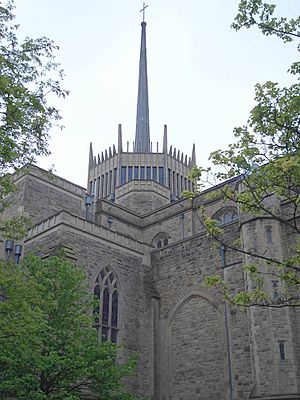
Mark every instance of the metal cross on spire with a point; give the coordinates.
(143, 9)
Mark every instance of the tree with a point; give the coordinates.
(265, 160)
(29, 75)
(48, 346)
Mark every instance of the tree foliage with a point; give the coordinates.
(29, 75)
(48, 346)
(265, 160)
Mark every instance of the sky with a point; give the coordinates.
(201, 73)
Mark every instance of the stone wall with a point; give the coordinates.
(142, 196)
(274, 375)
(40, 194)
(198, 345)
(190, 345)
(95, 252)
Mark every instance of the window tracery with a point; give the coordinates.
(160, 240)
(106, 311)
(226, 215)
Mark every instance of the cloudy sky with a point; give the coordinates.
(201, 72)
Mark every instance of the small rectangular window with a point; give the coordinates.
(169, 178)
(91, 187)
(123, 175)
(173, 182)
(106, 184)
(161, 175)
(110, 182)
(130, 171)
(102, 186)
(115, 178)
(148, 172)
(142, 173)
(98, 186)
(136, 172)
(281, 350)
(269, 234)
(154, 173)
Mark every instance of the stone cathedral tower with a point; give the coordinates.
(146, 254)
(117, 173)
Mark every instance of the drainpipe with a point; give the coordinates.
(223, 263)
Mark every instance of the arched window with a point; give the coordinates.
(226, 215)
(160, 240)
(107, 309)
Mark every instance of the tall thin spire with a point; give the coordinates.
(165, 141)
(91, 156)
(142, 134)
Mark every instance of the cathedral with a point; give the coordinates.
(146, 254)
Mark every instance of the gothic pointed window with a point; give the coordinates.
(106, 311)
(226, 215)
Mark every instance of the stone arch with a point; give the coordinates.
(226, 215)
(196, 348)
(208, 294)
(160, 240)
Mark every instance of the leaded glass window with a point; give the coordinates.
(154, 173)
(123, 175)
(102, 186)
(106, 184)
(110, 182)
(105, 306)
(98, 186)
(161, 177)
(160, 240)
(136, 172)
(226, 215)
(269, 234)
(281, 350)
(130, 170)
(148, 172)
(115, 178)
(106, 311)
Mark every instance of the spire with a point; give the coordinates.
(91, 156)
(142, 134)
(120, 146)
(194, 156)
(165, 141)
